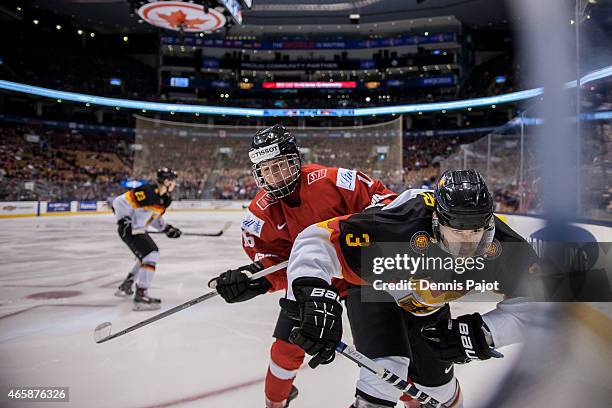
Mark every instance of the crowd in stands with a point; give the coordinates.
(63, 164)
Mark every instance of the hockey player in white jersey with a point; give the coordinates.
(418, 339)
(136, 210)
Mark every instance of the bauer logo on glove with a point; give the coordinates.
(318, 309)
(460, 340)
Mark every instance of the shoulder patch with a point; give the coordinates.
(420, 241)
(346, 179)
(265, 201)
(316, 175)
(494, 250)
(252, 224)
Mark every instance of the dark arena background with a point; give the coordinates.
(97, 95)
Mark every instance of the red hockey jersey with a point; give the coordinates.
(271, 225)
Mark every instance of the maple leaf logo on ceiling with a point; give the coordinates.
(179, 19)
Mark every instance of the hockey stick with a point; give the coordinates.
(200, 234)
(102, 332)
(386, 375)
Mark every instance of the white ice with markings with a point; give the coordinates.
(211, 355)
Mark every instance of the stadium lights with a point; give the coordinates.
(92, 35)
(80, 32)
(263, 112)
(58, 27)
(125, 38)
(35, 22)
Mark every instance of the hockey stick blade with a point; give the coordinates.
(387, 376)
(102, 332)
(200, 234)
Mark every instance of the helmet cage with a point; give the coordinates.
(279, 175)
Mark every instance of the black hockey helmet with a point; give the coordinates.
(276, 160)
(463, 221)
(165, 173)
(463, 200)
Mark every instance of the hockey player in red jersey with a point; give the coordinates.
(292, 197)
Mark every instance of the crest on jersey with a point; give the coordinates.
(316, 175)
(494, 250)
(265, 201)
(252, 224)
(420, 241)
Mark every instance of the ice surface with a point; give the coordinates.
(211, 355)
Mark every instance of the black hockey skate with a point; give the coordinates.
(292, 395)
(142, 301)
(125, 289)
(283, 404)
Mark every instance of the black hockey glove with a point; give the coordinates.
(124, 227)
(235, 286)
(319, 312)
(460, 340)
(172, 232)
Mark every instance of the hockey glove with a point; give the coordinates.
(460, 340)
(172, 232)
(319, 312)
(124, 227)
(236, 286)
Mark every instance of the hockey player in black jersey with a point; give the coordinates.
(134, 211)
(418, 339)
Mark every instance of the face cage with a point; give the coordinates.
(466, 249)
(284, 170)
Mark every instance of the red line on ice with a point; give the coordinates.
(208, 394)
(37, 306)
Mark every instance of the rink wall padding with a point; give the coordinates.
(524, 224)
(18, 209)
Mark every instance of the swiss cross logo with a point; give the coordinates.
(316, 175)
(265, 201)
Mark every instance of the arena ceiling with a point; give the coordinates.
(115, 15)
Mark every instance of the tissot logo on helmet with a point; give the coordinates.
(265, 153)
